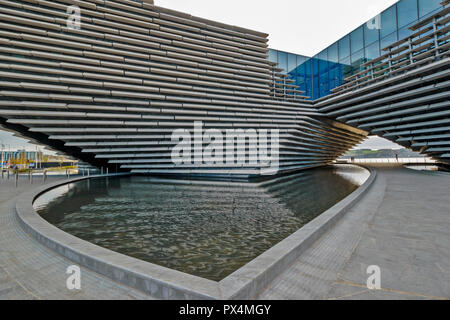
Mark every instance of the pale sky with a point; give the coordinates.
(377, 143)
(304, 27)
(299, 26)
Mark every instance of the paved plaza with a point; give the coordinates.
(401, 225)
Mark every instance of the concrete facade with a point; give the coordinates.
(112, 91)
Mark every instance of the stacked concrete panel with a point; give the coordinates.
(112, 91)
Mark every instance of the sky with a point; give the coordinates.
(299, 26)
(377, 143)
(9, 141)
(303, 27)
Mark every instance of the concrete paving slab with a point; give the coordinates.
(29, 270)
(402, 225)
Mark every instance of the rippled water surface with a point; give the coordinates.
(205, 229)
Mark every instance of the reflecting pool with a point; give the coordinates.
(207, 229)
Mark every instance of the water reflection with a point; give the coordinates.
(202, 228)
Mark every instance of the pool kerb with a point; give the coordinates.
(165, 283)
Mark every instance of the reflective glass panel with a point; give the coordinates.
(388, 40)
(292, 63)
(282, 61)
(407, 12)
(273, 55)
(323, 61)
(333, 53)
(371, 33)
(357, 61)
(388, 21)
(356, 40)
(427, 6)
(373, 51)
(344, 47)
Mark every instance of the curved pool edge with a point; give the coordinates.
(254, 277)
(157, 281)
(165, 283)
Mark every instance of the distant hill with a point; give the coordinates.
(383, 153)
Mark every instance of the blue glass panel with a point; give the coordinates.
(301, 60)
(301, 70)
(373, 51)
(334, 76)
(407, 12)
(346, 68)
(315, 66)
(292, 63)
(315, 94)
(323, 55)
(309, 89)
(323, 85)
(308, 66)
(371, 33)
(344, 47)
(282, 60)
(333, 53)
(388, 21)
(357, 61)
(323, 61)
(356, 40)
(405, 32)
(427, 6)
(273, 55)
(388, 40)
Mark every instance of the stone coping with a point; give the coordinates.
(164, 283)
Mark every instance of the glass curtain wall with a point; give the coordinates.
(318, 75)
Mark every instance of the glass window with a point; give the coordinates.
(344, 47)
(388, 21)
(301, 70)
(356, 40)
(334, 76)
(373, 51)
(292, 63)
(427, 6)
(282, 60)
(323, 61)
(300, 81)
(371, 33)
(301, 60)
(346, 68)
(333, 53)
(316, 87)
(357, 61)
(323, 55)
(405, 32)
(407, 12)
(323, 84)
(308, 66)
(273, 55)
(388, 40)
(309, 89)
(315, 66)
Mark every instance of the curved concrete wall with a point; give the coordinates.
(160, 282)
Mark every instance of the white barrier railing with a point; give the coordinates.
(389, 160)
